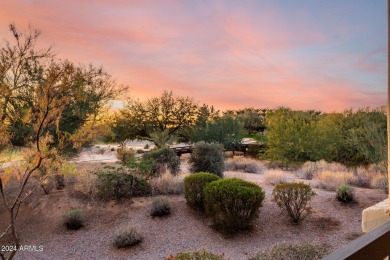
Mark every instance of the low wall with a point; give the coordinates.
(375, 216)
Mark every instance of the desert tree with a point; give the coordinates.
(167, 115)
(22, 66)
(40, 91)
(252, 119)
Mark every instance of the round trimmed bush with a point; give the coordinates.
(344, 193)
(194, 188)
(294, 198)
(208, 157)
(233, 203)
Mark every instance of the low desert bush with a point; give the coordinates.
(73, 219)
(331, 180)
(197, 255)
(379, 181)
(294, 252)
(127, 237)
(125, 154)
(194, 185)
(232, 203)
(160, 207)
(344, 193)
(168, 184)
(275, 177)
(243, 164)
(164, 159)
(294, 198)
(207, 157)
(118, 183)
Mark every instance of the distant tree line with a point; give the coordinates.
(170, 118)
(354, 138)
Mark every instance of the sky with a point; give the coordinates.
(327, 55)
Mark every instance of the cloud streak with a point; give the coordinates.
(230, 54)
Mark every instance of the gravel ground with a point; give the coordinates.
(39, 224)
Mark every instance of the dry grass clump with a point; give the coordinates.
(364, 177)
(308, 170)
(379, 181)
(330, 180)
(168, 184)
(127, 237)
(275, 177)
(243, 164)
(323, 165)
(160, 207)
(85, 186)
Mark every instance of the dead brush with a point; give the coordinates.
(330, 180)
(244, 165)
(168, 184)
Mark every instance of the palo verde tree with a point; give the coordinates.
(38, 90)
(253, 119)
(166, 116)
(22, 66)
(225, 130)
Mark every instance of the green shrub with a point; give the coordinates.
(294, 198)
(73, 219)
(233, 203)
(127, 237)
(117, 184)
(197, 255)
(256, 151)
(164, 158)
(194, 188)
(207, 157)
(294, 252)
(344, 193)
(160, 207)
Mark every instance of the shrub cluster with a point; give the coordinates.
(127, 237)
(294, 198)
(164, 159)
(294, 252)
(232, 203)
(197, 255)
(194, 185)
(160, 207)
(208, 157)
(344, 193)
(73, 219)
(118, 183)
